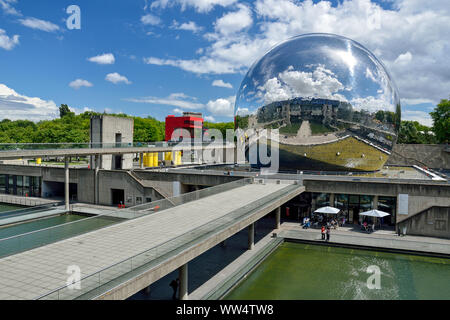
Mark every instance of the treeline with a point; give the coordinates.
(412, 132)
(75, 128)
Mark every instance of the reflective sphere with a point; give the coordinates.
(334, 103)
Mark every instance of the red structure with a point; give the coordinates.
(190, 121)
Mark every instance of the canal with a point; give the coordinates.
(9, 207)
(309, 272)
(34, 233)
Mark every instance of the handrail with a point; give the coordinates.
(134, 211)
(262, 202)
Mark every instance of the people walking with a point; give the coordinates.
(328, 233)
(323, 232)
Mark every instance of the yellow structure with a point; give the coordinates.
(39, 161)
(155, 159)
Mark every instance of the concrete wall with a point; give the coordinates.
(434, 222)
(431, 155)
(123, 181)
(104, 130)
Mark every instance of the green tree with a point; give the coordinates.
(64, 110)
(441, 121)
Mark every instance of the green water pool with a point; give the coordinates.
(309, 272)
(45, 235)
(9, 207)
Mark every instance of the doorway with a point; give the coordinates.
(118, 196)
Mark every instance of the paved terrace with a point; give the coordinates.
(378, 239)
(196, 227)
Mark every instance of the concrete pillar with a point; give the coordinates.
(375, 202)
(251, 236)
(331, 199)
(278, 218)
(147, 290)
(66, 183)
(97, 187)
(141, 160)
(183, 276)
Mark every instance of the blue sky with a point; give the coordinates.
(191, 55)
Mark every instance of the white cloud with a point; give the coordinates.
(404, 58)
(188, 26)
(419, 116)
(43, 25)
(202, 66)
(320, 83)
(15, 106)
(78, 83)
(6, 42)
(221, 83)
(116, 78)
(233, 22)
(7, 7)
(210, 119)
(202, 6)
(177, 111)
(106, 58)
(179, 100)
(150, 19)
(411, 39)
(222, 107)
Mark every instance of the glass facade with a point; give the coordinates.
(20, 185)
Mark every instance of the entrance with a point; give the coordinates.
(118, 196)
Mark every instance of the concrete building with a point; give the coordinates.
(109, 131)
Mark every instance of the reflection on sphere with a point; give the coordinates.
(334, 103)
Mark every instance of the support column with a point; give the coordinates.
(183, 276)
(251, 236)
(141, 160)
(278, 218)
(97, 187)
(375, 202)
(66, 183)
(331, 199)
(147, 290)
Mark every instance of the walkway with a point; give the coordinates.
(378, 239)
(37, 272)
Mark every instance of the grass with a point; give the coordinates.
(350, 151)
(319, 129)
(291, 129)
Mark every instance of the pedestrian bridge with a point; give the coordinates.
(119, 260)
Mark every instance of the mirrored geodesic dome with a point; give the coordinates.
(334, 103)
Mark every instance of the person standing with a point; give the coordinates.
(328, 233)
(174, 284)
(323, 232)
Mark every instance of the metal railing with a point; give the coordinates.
(38, 238)
(112, 275)
(25, 211)
(90, 145)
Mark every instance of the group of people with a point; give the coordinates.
(320, 220)
(366, 226)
